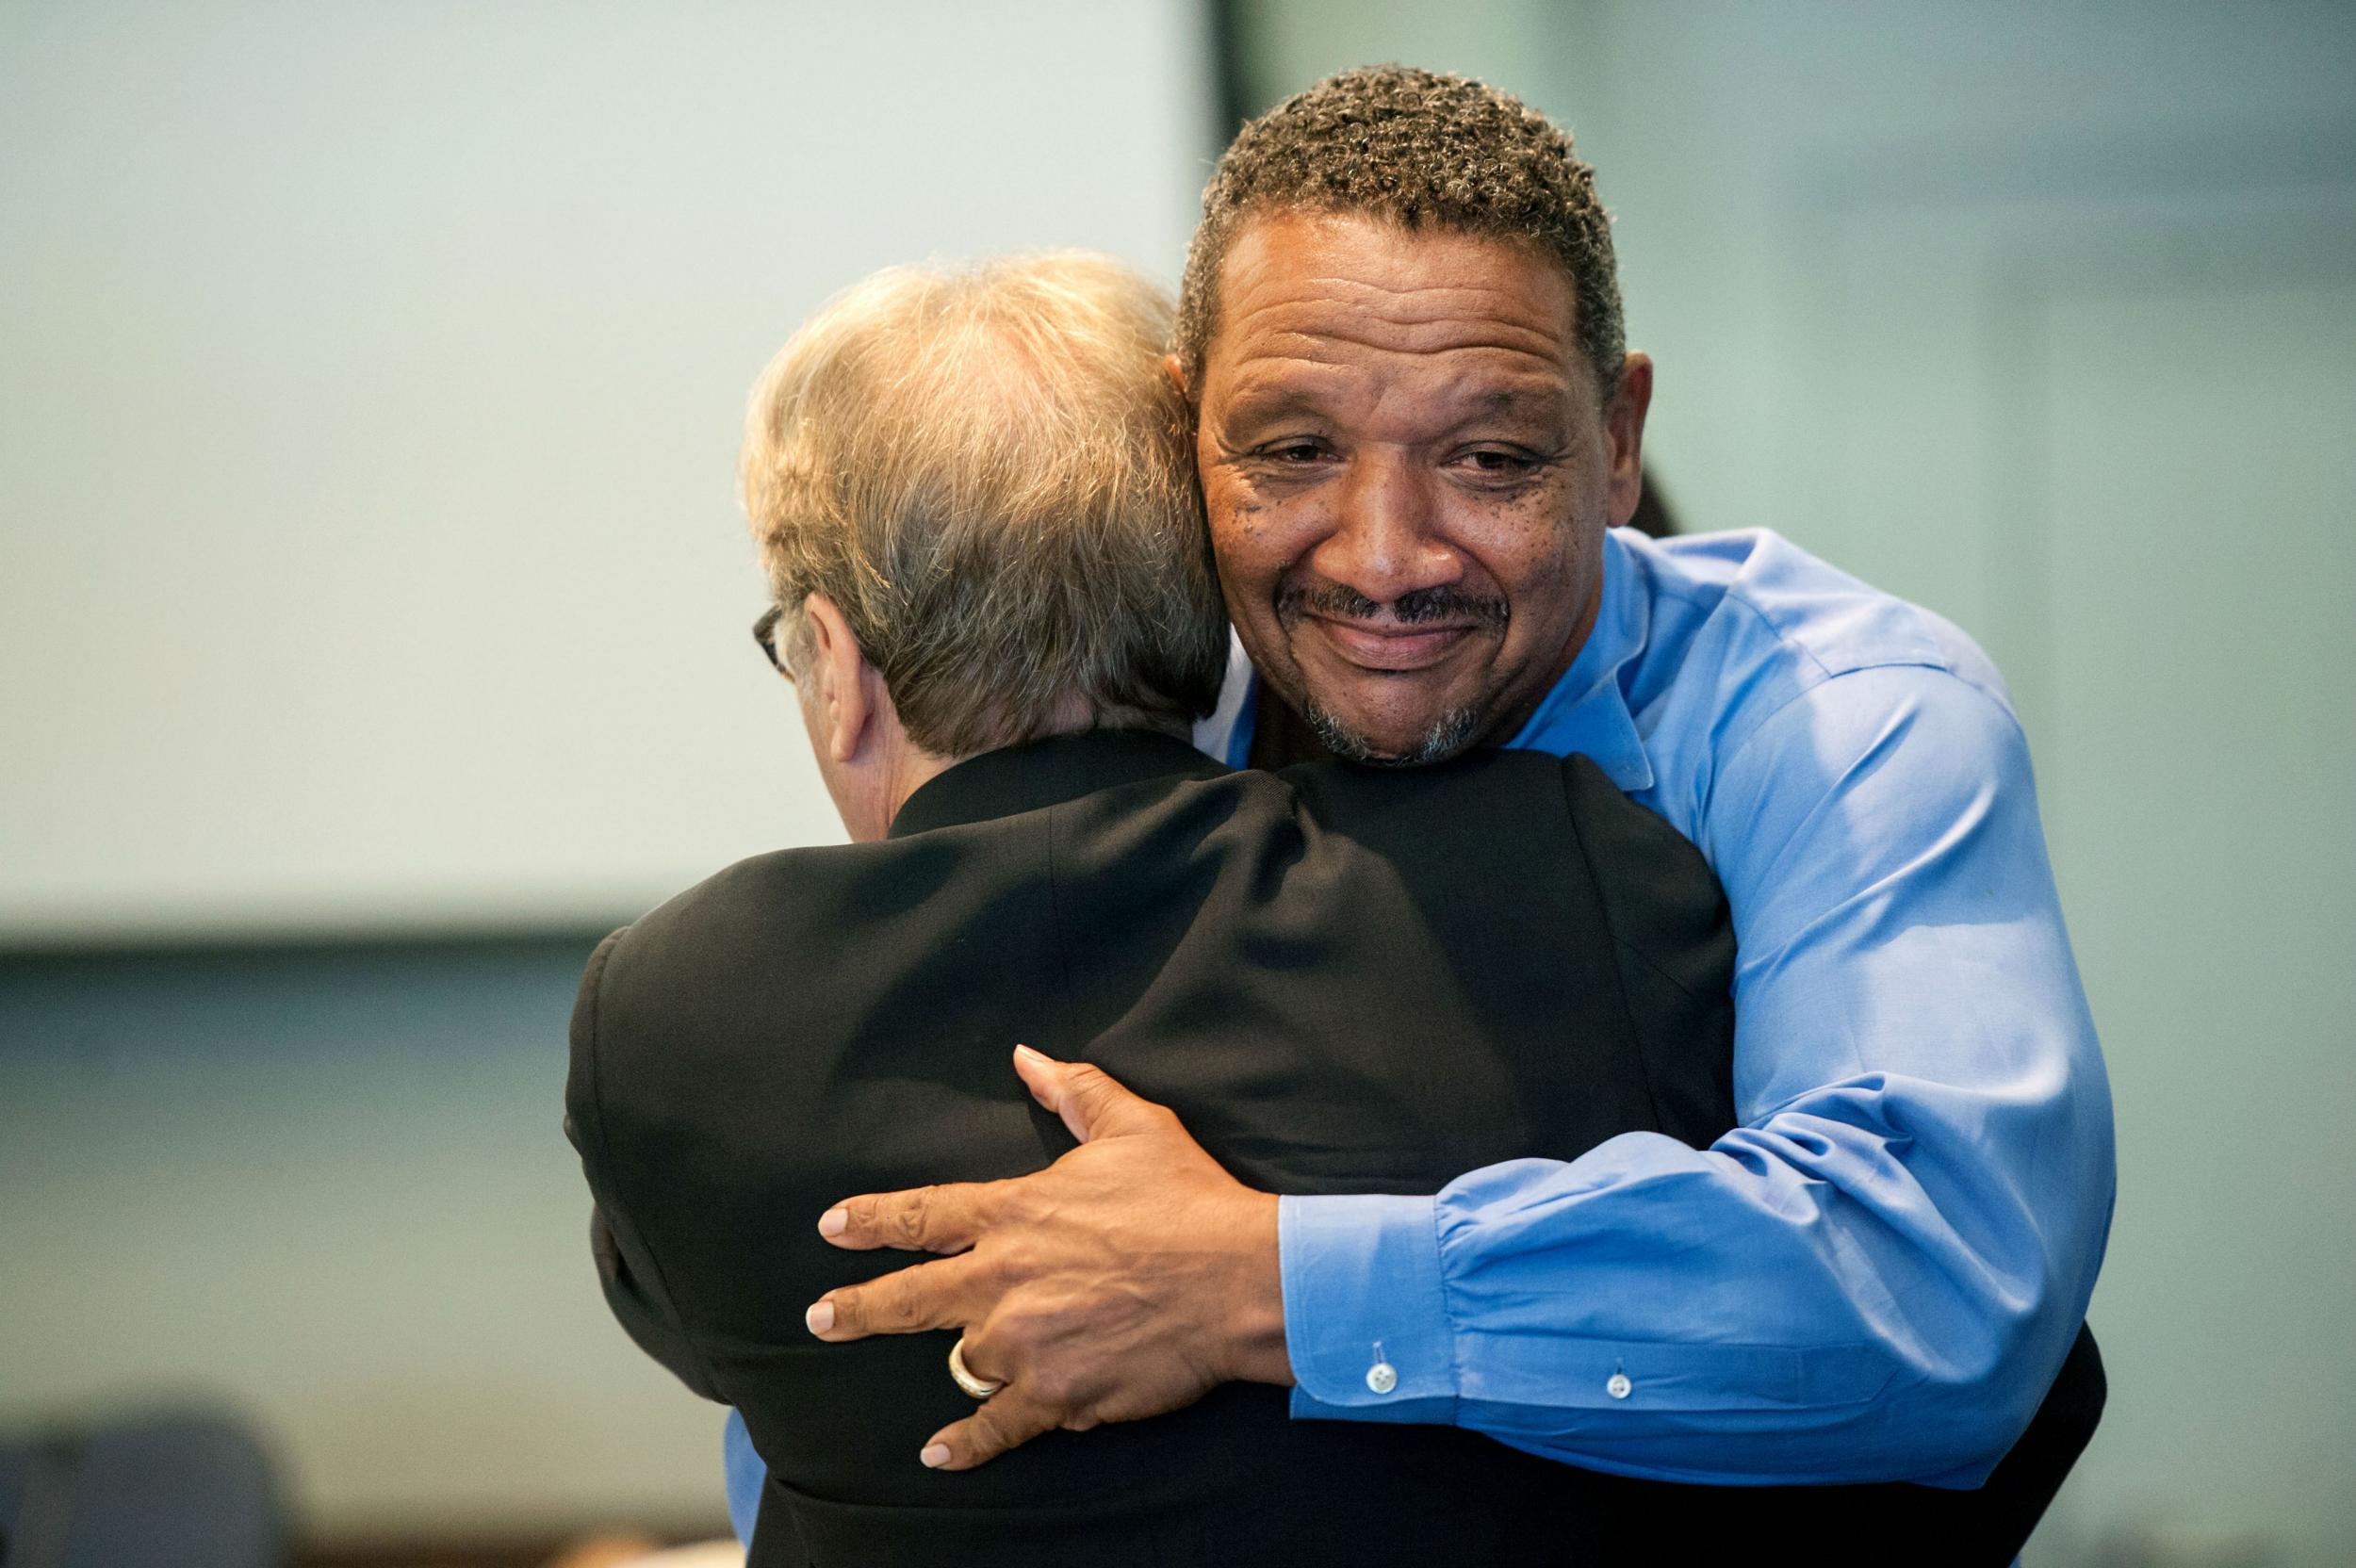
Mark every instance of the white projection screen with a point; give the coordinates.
(370, 383)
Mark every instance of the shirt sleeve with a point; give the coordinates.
(747, 1476)
(1877, 1275)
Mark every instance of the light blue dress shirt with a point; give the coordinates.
(747, 1476)
(1877, 1275)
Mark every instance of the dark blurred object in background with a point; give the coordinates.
(167, 1489)
(1652, 510)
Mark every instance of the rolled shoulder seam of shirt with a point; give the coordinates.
(1942, 673)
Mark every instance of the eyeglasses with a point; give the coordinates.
(765, 633)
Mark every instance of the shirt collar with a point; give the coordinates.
(1587, 710)
(1046, 772)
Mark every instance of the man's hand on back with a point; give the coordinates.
(1126, 1279)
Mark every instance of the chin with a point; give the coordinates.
(1450, 732)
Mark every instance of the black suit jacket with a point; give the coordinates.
(1342, 981)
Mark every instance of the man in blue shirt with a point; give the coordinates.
(1417, 429)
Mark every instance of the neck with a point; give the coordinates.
(913, 771)
(909, 768)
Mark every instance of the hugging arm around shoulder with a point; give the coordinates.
(1875, 1276)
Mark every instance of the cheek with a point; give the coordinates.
(1529, 545)
(1249, 536)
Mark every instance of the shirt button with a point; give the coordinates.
(1382, 1376)
(1619, 1387)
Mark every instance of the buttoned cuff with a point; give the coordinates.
(1366, 1319)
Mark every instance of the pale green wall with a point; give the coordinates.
(2045, 316)
(372, 377)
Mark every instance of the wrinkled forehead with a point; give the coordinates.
(1359, 257)
(1312, 302)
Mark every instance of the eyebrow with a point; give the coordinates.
(1533, 401)
(1274, 403)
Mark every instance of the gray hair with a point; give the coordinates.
(988, 470)
(1421, 151)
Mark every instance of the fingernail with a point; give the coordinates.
(833, 1222)
(935, 1455)
(1028, 1054)
(819, 1318)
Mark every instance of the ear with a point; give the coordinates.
(1623, 431)
(1175, 369)
(842, 700)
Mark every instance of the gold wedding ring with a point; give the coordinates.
(978, 1388)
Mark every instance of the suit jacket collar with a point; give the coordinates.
(1040, 773)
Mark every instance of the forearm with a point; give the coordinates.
(1789, 1306)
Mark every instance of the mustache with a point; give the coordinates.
(1413, 608)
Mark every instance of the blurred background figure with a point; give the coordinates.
(190, 1488)
(371, 605)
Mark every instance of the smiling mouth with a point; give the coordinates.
(1392, 649)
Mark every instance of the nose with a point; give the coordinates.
(1386, 541)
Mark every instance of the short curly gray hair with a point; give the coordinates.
(986, 470)
(1419, 150)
